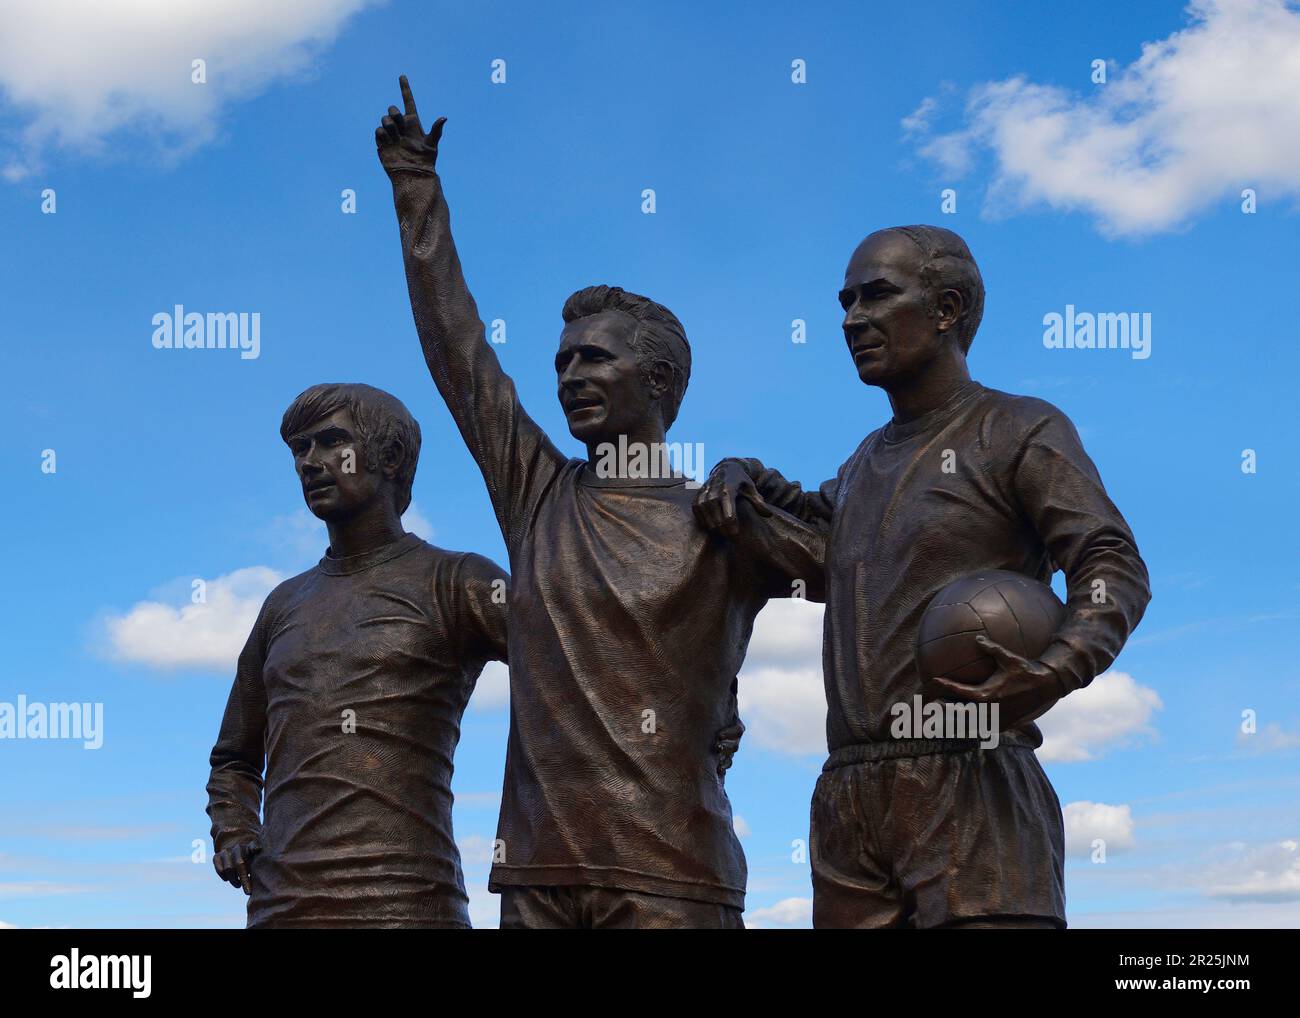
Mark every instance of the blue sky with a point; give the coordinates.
(226, 196)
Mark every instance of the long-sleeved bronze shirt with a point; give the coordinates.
(987, 481)
(629, 623)
(350, 692)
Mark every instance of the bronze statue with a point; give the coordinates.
(938, 832)
(629, 621)
(350, 691)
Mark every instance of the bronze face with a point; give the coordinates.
(601, 386)
(338, 482)
(890, 326)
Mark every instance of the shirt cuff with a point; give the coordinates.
(1061, 658)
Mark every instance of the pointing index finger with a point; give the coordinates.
(407, 98)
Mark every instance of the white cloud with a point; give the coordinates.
(478, 800)
(39, 889)
(170, 632)
(492, 693)
(417, 523)
(782, 696)
(1267, 874)
(1088, 821)
(787, 631)
(919, 119)
(299, 538)
(208, 635)
(302, 538)
(1112, 711)
(1199, 116)
(741, 826)
(1272, 738)
(82, 72)
(484, 908)
(476, 850)
(785, 914)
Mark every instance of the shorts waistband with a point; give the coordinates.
(869, 752)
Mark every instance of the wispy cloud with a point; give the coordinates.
(171, 631)
(1088, 822)
(1272, 738)
(39, 889)
(90, 833)
(1111, 712)
(206, 635)
(1199, 116)
(99, 77)
(1261, 873)
(476, 849)
(300, 538)
(492, 693)
(789, 913)
(782, 696)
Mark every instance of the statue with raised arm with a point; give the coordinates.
(629, 620)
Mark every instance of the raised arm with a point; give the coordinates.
(514, 454)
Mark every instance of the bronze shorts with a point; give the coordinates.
(596, 908)
(917, 834)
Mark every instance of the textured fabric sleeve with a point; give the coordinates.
(482, 589)
(518, 461)
(1060, 491)
(239, 756)
(786, 555)
(814, 507)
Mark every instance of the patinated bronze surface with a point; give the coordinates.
(629, 620)
(962, 478)
(346, 706)
(632, 604)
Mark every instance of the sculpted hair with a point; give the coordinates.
(659, 337)
(949, 265)
(381, 418)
